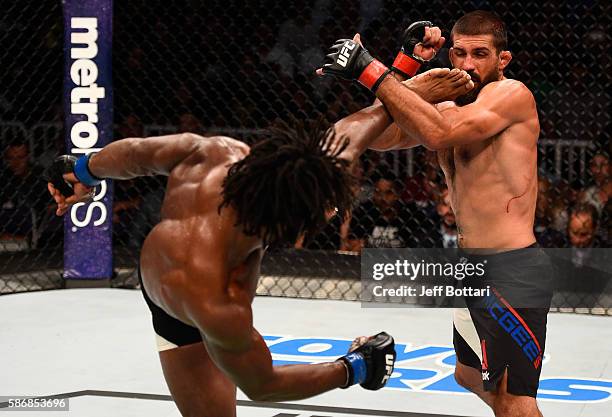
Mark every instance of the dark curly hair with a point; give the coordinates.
(289, 182)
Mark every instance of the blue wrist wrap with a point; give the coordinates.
(82, 172)
(358, 365)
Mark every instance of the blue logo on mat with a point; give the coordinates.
(434, 373)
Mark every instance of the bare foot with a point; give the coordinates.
(440, 84)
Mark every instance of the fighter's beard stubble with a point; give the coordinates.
(470, 96)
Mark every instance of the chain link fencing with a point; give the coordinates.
(31, 236)
(234, 69)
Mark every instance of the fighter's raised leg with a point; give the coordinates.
(197, 386)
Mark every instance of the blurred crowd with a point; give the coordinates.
(395, 212)
(391, 211)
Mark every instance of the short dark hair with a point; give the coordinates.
(289, 182)
(585, 208)
(603, 154)
(481, 22)
(17, 143)
(385, 173)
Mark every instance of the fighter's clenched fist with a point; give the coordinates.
(420, 43)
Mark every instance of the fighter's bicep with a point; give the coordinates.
(163, 153)
(474, 124)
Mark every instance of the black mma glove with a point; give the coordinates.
(67, 164)
(351, 61)
(371, 364)
(406, 63)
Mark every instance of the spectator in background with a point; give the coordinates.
(582, 227)
(562, 196)
(22, 196)
(546, 211)
(599, 192)
(424, 188)
(386, 221)
(447, 232)
(584, 272)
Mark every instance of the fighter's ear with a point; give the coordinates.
(504, 59)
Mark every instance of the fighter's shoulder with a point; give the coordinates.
(217, 147)
(509, 97)
(507, 87)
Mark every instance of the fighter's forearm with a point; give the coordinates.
(412, 114)
(134, 157)
(371, 128)
(363, 128)
(249, 365)
(296, 382)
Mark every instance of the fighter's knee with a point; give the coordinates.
(462, 380)
(506, 405)
(503, 409)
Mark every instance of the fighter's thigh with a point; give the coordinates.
(197, 386)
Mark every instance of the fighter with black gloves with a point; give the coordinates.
(487, 146)
(199, 266)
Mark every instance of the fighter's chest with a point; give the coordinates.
(470, 157)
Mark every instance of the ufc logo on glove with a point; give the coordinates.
(389, 361)
(344, 53)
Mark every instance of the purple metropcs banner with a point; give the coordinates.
(88, 108)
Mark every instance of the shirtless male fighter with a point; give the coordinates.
(487, 147)
(199, 266)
